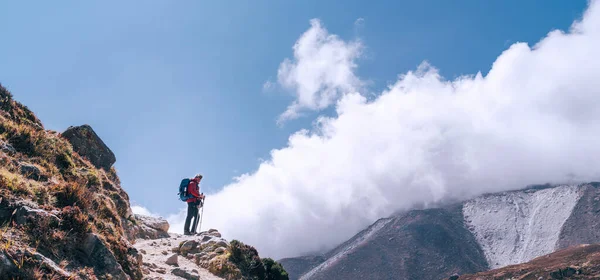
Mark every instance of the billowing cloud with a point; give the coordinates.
(534, 118)
(322, 70)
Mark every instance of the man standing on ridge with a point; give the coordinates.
(193, 204)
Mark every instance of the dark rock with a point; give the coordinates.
(100, 258)
(222, 243)
(7, 267)
(135, 255)
(188, 246)
(185, 274)
(206, 238)
(220, 250)
(563, 273)
(26, 214)
(172, 260)
(453, 277)
(87, 144)
(32, 172)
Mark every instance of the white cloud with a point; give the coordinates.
(533, 119)
(141, 210)
(359, 22)
(322, 70)
(268, 85)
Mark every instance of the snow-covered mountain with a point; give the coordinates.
(487, 232)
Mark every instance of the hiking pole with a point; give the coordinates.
(202, 212)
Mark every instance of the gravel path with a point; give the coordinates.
(156, 253)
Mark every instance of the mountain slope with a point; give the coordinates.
(421, 244)
(515, 227)
(576, 262)
(498, 229)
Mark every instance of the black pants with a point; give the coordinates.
(192, 212)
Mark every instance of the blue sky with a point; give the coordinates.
(176, 88)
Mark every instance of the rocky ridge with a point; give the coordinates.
(64, 215)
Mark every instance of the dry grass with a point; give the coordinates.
(87, 199)
(72, 194)
(16, 183)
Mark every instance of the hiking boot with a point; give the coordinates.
(187, 233)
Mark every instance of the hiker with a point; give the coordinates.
(193, 204)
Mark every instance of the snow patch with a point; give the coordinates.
(349, 248)
(515, 227)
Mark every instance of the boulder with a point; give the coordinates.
(27, 214)
(87, 144)
(220, 250)
(172, 260)
(188, 246)
(159, 224)
(206, 238)
(31, 171)
(100, 258)
(151, 227)
(183, 273)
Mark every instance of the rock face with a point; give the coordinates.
(515, 227)
(151, 227)
(87, 144)
(101, 258)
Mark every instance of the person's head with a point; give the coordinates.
(197, 178)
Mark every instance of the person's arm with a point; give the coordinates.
(193, 188)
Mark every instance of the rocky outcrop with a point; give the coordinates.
(87, 144)
(205, 256)
(97, 255)
(151, 227)
(62, 209)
